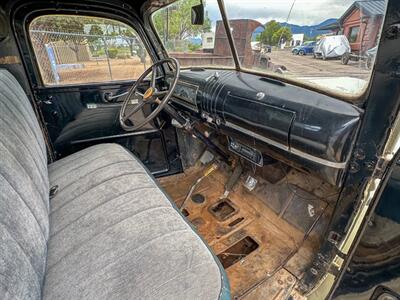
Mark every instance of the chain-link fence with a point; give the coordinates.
(68, 58)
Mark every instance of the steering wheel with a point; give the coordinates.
(150, 96)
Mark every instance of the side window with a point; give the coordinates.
(353, 34)
(82, 49)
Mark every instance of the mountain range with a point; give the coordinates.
(308, 30)
(311, 31)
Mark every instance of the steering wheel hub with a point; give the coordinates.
(149, 93)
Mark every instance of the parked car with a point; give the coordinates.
(332, 47)
(306, 48)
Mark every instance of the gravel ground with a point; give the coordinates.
(305, 66)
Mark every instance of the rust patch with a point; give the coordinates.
(9, 60)
(257, 215)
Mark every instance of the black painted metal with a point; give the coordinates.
(375, 263)
(228, 31)
(281, 120)
(382, 106)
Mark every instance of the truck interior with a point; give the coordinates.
(134, 168)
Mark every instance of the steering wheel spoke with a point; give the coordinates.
(139, 94)
(151, 96)
(153, 76)
(160, 93)
(137, 107)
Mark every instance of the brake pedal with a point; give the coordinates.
(233, 179)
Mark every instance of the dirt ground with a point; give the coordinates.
(305, 66)
(99, 71)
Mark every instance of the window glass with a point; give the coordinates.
(353, 34)
(193, 45)
(81, 49)
(271, 37)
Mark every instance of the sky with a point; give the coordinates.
(305, 12)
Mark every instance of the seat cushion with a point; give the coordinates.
(114, 234)
(24, 195)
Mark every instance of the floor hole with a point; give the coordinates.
(235, 222)
(185, 212)
(223, 209)
(237, 252)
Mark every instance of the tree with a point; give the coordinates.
(69, 29)
(266, 37)
(177, 19)
(96, 30)
(130, 38)
(282, 35)
(96, 37)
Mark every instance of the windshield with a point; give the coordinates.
(194, 45)
(269, 36)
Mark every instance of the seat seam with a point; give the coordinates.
(70, 158)
(167, 234)
(31, 133)
(26, 115)
(156, 289)
(75, 180)
(99, 205)
(30, 209)
(11, 128)
(34, 161)
(30, 178)
(136, 249)
(59, 175)
(93, 187)
(23, 251)
(82, 243)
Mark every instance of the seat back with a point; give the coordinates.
(24, 195)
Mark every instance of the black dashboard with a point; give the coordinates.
(186, 94)
(303, 128)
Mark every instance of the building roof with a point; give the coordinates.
(367, 7)
(372, 7)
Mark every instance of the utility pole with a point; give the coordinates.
(167, 37)
(287, 21)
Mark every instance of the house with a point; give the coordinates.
(361, 24)
(297, 39)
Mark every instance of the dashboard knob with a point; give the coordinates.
(235, 145)
(260, 95)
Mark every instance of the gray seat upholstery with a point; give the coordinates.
(109, 232)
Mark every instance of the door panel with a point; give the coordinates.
(78, 113)
(79, 117)
(81, 60)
